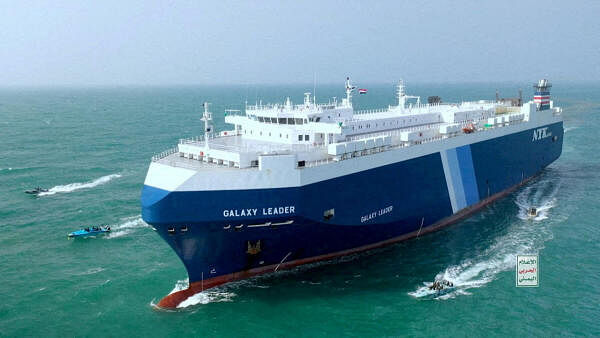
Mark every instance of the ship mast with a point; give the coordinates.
(207, 118)
(401, 93)
(349, 89)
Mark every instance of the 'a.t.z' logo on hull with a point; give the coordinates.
(541, 133)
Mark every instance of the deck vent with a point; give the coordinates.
(171, 230)
(184, 229)
(328, 214)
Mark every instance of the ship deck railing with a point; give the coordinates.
(424, 106)
(249, 146)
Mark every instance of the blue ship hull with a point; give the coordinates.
(371, 208)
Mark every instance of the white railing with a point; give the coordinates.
(391, 132)
(164, 154)
(284, 107)
(372, 111)
(202, 138)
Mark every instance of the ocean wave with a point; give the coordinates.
(91, 271)
(568, 129)
(524, 237)
(76, 186)
(15, 169)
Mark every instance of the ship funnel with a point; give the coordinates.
(541, 97)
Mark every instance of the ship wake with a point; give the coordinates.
(523, 237)
(127, 226)
(77, 186)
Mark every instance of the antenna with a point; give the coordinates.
(315, 88)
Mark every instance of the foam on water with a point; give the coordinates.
(541, 198)
(76, 186)
(523, 237)
(214, 295)
(127, 226)
(568, 129)
(91, 271)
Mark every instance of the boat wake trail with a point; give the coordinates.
(76, 186)
(523, 237)
(126, 227)
(214, 295)
(542, 198)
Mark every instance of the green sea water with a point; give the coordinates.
(91, 147)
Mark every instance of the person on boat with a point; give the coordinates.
(87, 229)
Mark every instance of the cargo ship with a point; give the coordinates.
(291, 184)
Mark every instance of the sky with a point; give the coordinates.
(54, 43)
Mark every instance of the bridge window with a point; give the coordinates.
(260, 119)
(305, 137)
(299, 121)
(291, 120)
(299, 137)
(282, 120)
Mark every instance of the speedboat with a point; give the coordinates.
(90, 231)
(36, 191)
(441, 287)
(532, 212)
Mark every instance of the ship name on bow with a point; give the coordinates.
(286, 210)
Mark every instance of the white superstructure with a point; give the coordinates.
(310, 134)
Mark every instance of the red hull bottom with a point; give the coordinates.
(173, 300)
